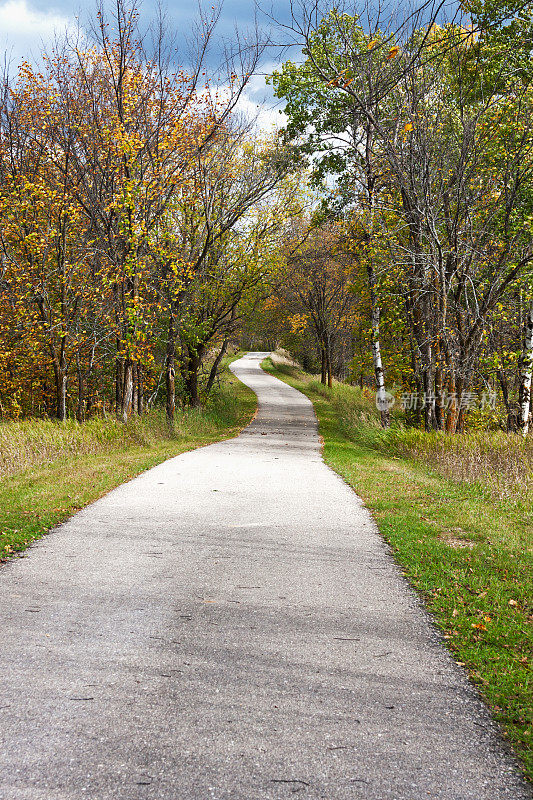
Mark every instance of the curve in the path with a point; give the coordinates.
(230, 626)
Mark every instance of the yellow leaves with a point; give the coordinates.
(434, 35)
(407, 128)
(298, 323)
(393, 52)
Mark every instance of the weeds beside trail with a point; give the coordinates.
(50, 470)
(458, 513)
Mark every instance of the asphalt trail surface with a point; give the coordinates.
(230, 626)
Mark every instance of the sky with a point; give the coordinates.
(26, 26)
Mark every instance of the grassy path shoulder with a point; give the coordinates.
(72, 465)
(470, 558)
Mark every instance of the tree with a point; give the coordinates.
(525, 373)
(414, 128)
(242, 197)
(318, 289)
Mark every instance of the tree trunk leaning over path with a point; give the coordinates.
(216, 364)
(525, 375)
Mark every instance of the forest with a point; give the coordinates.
(382, 236)
(374, 250)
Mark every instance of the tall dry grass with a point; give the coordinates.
(500, 463)
(36, 442)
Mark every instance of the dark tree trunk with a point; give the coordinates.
(216, 364)
(439, 401)
(460, 424)
(193, 364)
(429, 399)
(322, 366)
(60, 376)
(328, 366)
(191, 381)
(119, 385)
(62, 395)
(511, 413)
(170, 368)
(439, 394)
(170, 376)
(80, 410)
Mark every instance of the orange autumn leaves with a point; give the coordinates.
(93, 148)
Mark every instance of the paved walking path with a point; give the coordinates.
(230, 626)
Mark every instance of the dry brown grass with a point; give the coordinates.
(33, 443)
(501, 463)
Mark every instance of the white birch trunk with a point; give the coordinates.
(525, 374)
(128, 390)
(382, 397)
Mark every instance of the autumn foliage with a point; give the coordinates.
(113, 225)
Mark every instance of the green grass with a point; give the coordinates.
(468, 554)
(50, 470)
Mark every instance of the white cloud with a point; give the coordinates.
(24, 31)
(267, 116)
(258, 101)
